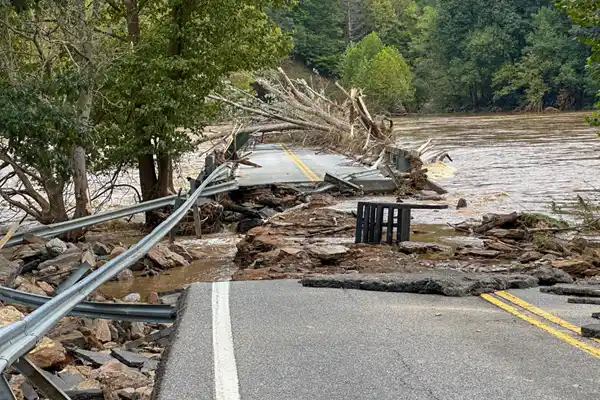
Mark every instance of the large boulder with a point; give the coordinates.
(165, 258)
(116, 375)
(48, 353)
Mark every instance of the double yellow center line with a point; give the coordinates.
(309, 173)
(516, 306)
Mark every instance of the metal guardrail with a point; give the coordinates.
(53, 230)
(18, 338)
(114, 311)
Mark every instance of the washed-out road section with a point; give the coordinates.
(278, 340)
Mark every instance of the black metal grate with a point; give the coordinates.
(372, 218)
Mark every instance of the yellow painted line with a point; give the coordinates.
(541, 313)
(588, 348)
(309, 173)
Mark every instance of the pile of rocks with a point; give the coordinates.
(95, 358)
(48, 262)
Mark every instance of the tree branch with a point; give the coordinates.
(111, 34)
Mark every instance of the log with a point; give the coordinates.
(242, 210)
(496, 221)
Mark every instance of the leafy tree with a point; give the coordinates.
(318, 28)
(380, 71)
(552, 68)
(51, 62)
(586, 15)
(175, 53)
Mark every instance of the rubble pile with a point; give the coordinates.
(94, 358)
(533, 239)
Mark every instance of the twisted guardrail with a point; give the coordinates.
(18, 338)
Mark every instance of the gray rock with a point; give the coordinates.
(150, 365)
(328, 253)
(93, 357)
(100, 249)
(550, 276)
(591, 331)
(56, 247)
(268, 212)
(246, 224)
(132, 298)
(72, 339)
(125, 275)
(29, 252)
(170, 299)
(462, 203)
(129, 358)
(88, 394)
(137, 330)
(422, 248)
(480, 253)
(9, 270)
(63, 261)
(448, 283)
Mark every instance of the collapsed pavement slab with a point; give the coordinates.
(454, 284)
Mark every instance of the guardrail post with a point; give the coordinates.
(37, 378)
(6, 392)
(196, 212)
(178, 203)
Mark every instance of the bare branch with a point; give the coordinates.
(111, 34)
(29, 210)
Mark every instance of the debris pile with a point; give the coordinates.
(94, 358)
(533, 239)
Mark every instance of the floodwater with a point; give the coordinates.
(217, 265)
(500, 163)
(511, 162)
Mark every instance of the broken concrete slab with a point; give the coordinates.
(591, 331)
(455, 284)
(572, 291)
(129, 358)
(93, 357)
(328, 252)
(550, 276)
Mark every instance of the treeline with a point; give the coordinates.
(462, 55)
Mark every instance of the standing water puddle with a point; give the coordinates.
(217, 265)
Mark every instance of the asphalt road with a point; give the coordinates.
(283, 164)
(277, 340)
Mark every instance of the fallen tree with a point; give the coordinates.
(298, 112)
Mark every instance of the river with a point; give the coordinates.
(513, 162)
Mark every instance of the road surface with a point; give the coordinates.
(277, 340)
(287, 164)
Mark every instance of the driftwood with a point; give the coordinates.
(496, 221)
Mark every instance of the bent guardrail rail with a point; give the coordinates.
(116, 311)
(18, 338)
(49, 231)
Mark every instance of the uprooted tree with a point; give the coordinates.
(308, 116)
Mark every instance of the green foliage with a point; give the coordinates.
(380, 71)
(154, 95)
(552, 68)
(318, 32)
(586, 15)
(39, 124)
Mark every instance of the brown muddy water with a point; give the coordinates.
(501, 163)
(512, 162)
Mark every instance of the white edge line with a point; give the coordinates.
(226, 377)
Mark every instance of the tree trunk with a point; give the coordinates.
(165, 176)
